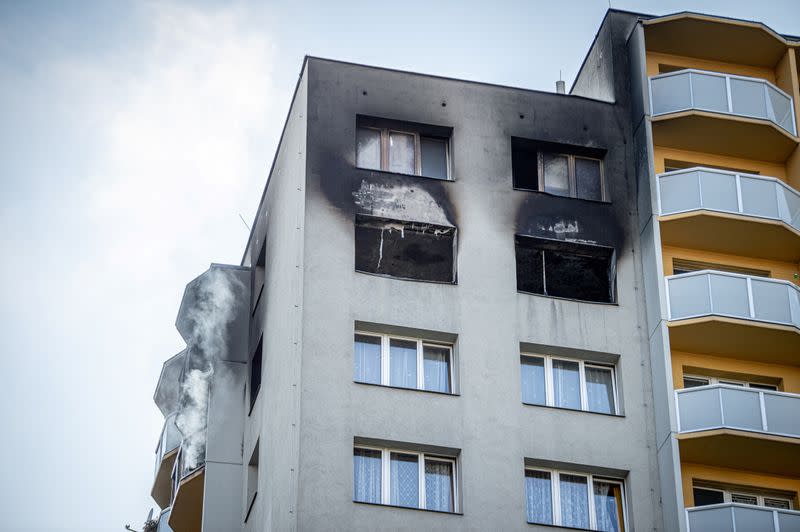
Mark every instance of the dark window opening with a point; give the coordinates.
(665, 68)
(252, 481)
(671, 165)
(258, 278)
(565, 269)
(255, 372)
(407, 250)
(680, 266)
(558, 169)
(704, 497)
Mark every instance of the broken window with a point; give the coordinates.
(402, 147)
(255, 372)
(565, 269)
(407, 250)
(561, 170)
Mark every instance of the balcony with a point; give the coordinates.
(166, 451)
(733, 517)
(719, 113)
(163, 521)
(741, 316)
(729, 212)
(189, 491)
(743, 428)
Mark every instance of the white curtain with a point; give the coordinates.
(367, 475)
(566, 384)
(403, 363)
(437, 369)
(599, 390)
(574, 501)
(539, 497)
(367, 366)
(439, 486)
(533, 387)
(607, 502)
(404, 480)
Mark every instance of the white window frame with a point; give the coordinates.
(421, 344)
(571, 174)
(727, 496)
(555, 494)
(584, 398)
(384, 150)
(731, 382)
(386, 468)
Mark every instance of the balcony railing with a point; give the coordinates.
(706, 292)
(721, 93)
(733, 517)
(730, 192)
(169, 440)
(725, 406)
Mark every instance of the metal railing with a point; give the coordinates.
(730, 192)
(734, 517)
(709, 292)
(735, 407)
(721, 93)
(169, 440)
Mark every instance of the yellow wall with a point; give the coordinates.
(691, 471)
(706, 159)
(654, 58)
(786, 377)
(777, 269)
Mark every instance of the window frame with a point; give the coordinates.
(731, 382)
(728, 494)
(384, 151)
(555, 495)
(584, 397)
(571, 174)
(422, 457)
(421, 344)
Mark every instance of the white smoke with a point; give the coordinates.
(215, 301)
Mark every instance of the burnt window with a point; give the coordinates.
(255, 372)
(407, 250)
(558, 169)
(403, 147)
(565, 269)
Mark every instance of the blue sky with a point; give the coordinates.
(133, 135)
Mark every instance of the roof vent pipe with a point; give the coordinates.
(561, 87)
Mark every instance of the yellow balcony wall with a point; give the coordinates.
(691, 472)
(187, 509)
(758, 367)
(664, 156)
(777, 269)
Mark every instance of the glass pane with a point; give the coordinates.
(689, 296)
(403, 363)
(742, 409)
(556, 174)
(599, 390)
(704, 497)
(437, 368)
(694, 382)
(367, 367)
(679, 192)
(699, 409)
(367, 475)
(434, 157)
(780, 109)
(711, 520)
(670, 93)
(439, 485)
(782, 417)
(729, 296)
(759, 197)
(574, 501)
(771, 301)
(566, 384)
(401, 153)
(533, 382)
(539, 497)
(719, 191)
(587, 179)
(710, 92)
(404, 480)
(744, 499)
(789, 522)
(748, 98)
(753, 520)
(368, 151)
(608, 506)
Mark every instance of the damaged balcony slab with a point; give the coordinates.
(405, 250)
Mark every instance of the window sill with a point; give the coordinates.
(407, 508)
(387, 276)
(448, 394)
(600, 202)
(604, 303)
(387, 172)
(574, 410)
(561, 526)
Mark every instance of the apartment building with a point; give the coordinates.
(465, 306)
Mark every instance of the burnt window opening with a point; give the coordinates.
(258, 278)
(403, 147)
(406, 250)
(255, 372)
(565, 269)
(558, 169)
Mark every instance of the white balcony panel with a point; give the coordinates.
(732, 517)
